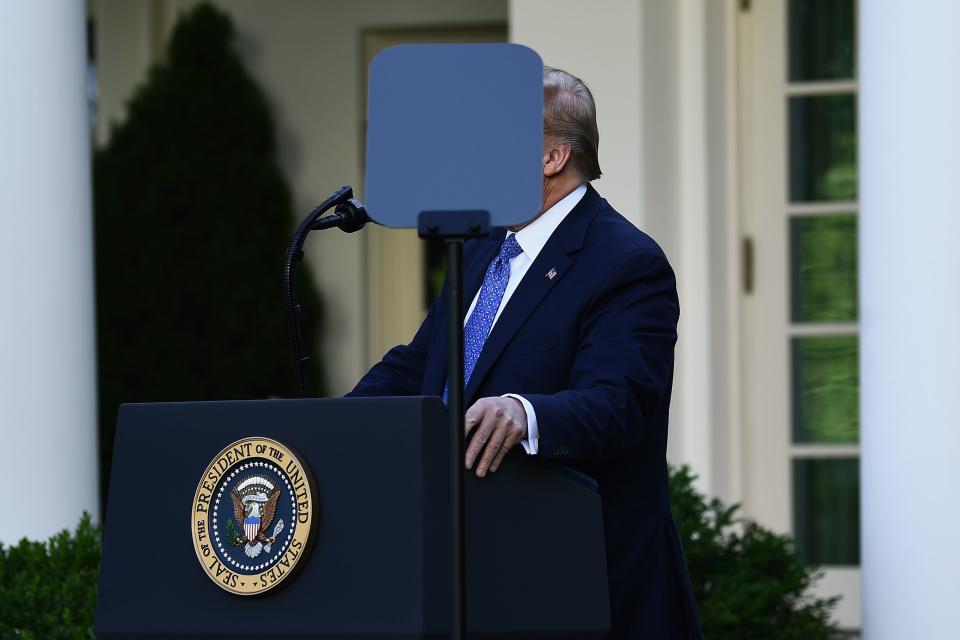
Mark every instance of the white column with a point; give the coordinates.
(692, 418)
(910, 317)
(47, 367)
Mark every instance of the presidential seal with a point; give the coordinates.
(253, 516)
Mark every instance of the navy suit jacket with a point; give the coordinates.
(592, 350)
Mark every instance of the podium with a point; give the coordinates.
(380, 560)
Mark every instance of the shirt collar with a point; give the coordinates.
(534, 236)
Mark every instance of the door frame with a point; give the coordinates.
(766, 328)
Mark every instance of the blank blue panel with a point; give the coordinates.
(455, 127)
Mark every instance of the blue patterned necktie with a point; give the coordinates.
(481, 320)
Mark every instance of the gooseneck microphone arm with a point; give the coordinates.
(349, 215)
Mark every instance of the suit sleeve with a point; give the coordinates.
(400, 372)
(623, 369)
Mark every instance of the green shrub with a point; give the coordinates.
(749, 582)
(193, 218)
(48, 589)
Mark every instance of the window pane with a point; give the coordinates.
(821, 40)
(823, 268)
(826, 399)
(823, 148)
(826, 510)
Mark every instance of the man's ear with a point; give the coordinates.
(555, 159)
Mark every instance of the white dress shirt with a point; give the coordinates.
(532, 239)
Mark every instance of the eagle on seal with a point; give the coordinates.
(254, 507)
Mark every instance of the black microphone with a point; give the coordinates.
(349, 215)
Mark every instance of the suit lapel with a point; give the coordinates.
(534, 286)
(555, 257)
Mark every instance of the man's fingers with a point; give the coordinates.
(507, 445)
(473, 416)
(492, 450)
(497, 424)
(477, 442)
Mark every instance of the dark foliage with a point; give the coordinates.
(192, 222)
(749, 582)
(48, 589)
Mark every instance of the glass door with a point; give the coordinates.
(798, 173)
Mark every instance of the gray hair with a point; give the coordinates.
(570, 116)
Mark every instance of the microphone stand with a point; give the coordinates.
(350, 216)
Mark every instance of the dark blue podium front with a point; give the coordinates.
(380, 559)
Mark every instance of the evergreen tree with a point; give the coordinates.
(193, 217)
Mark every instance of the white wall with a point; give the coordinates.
(47, 357)
(307, 55)
(127, 44)
(660, 73)
(597, 42)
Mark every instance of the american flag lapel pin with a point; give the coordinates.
(551, 274)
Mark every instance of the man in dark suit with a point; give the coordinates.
(568, 351)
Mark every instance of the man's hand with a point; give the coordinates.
(498, 424)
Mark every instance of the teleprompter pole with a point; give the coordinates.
(457, 412)
(455, 227)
